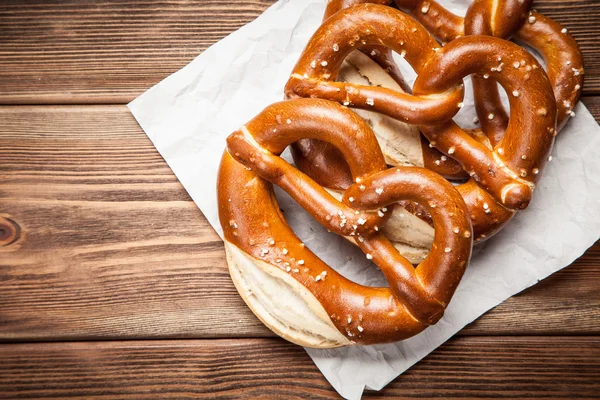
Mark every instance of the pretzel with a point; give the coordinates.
(287, 286)
(559, 49)
(503, 19)
(503, 175)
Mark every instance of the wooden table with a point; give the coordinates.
(111, 280)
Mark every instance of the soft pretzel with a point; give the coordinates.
(506, 19)
(503, 175)
(503, 19)
(287, 286)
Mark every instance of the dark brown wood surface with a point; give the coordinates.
(99, 241)
(465, 367)
(91, 51)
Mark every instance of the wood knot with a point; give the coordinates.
(10, 231)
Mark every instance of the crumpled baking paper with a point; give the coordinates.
(189, 114)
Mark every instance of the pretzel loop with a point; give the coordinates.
(317, 69)
(406, 184)
(258, 144)
(258, 241)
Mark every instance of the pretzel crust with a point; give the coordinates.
(505, 19)
(502, 179)
(253, 224)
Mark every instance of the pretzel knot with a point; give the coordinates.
(286, 285)
(504, 19)
(504, 172)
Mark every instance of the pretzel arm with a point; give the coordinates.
(415, 110)
(563, 58)
(443, 24)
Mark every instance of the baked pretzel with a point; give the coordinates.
(503, 175)
(503, 19)
(287, 286)
(506, 19)
(559, 49)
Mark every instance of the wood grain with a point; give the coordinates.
(593, 104)
(75, 52)
(467, 367)
(111, 246)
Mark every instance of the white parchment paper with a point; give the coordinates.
(189, 114)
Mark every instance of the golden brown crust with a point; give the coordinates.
(252, 222)
(380, 54)
(440, 22)
(564, 61)
(503, 177)
(505, 19)
(322, 162)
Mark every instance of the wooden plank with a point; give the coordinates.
(106, 52)
(111, 246)
(593, 104)
(467, 367)
(72, 52)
